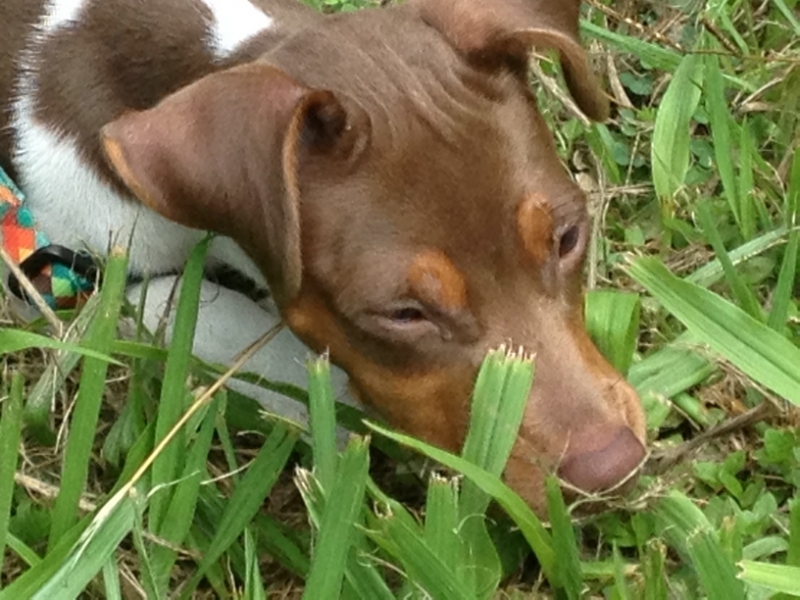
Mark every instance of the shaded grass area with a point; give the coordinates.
(693, 293)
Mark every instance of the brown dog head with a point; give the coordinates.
(391, 175)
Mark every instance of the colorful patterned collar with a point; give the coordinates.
(61, 276)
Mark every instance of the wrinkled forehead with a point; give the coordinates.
(454, 148)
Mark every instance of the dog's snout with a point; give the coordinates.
(606, 467)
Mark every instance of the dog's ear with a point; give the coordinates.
(510, 28)
(222, 155)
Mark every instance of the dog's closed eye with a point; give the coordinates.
(407, 314)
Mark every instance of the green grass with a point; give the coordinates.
(117, 479)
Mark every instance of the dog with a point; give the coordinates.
(384, 173)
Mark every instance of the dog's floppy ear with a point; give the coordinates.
(221, 155)
(495, 28)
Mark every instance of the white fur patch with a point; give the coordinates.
(59, 13)
(79, 210)
(235, 22)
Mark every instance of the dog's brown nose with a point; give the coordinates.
(603, 469)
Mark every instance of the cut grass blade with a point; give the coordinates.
(362, 579)
(400, 536)
(655, 585)
(612, 319)
(336, 532)
(530, 526)
(322, 418)
(10, 430)
(757, 350)
(168, 464)
(90, 397)
(441, 519)
(690, 531)
(499, 399)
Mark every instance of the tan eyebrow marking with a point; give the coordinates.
(434, 278)
(535, 226)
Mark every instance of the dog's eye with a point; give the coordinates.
(569, 241)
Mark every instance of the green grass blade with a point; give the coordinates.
(147, 575)
(777, 578)
(90, 397)
(21, 549)
(670, 145)
(689, 529)
(743, 294)
(91, 553)
(499, 400)
(620, 584)
(782, 297)
(441, 519)
(17, 340)
(793, 553)
(792, 204)
(788, 15)
(167, 465)
(253, 584)
(322, 418)
(181, 509)
(422, 565)
(247, 498)
(784, 290)
(530, 526)
(672, 370)
(655, 585)
(564, 543)
(612, 319)
(10, 430)
(720, 118)
(712, 272)
(651, 54)
(39, 401)
(336, 532)
(757, 350)
(111, 584)
(747, 199)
